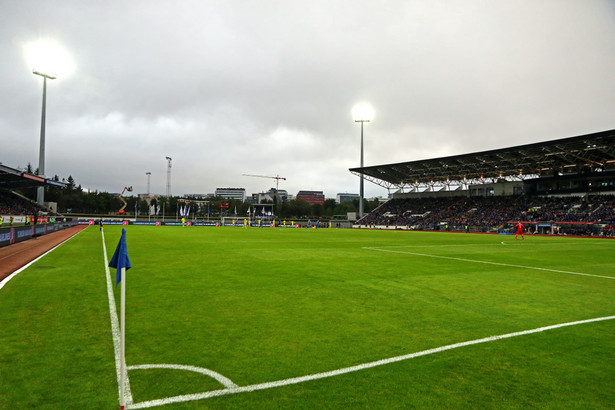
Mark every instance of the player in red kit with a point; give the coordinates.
(519, 228)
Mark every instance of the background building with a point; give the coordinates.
(346, 198)
(312, 197)
(232, 193)
(262, 197)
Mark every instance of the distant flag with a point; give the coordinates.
(120, 259)
(235, 213)
(158, 210)
(263, 211)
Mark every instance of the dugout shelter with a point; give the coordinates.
(580, 164)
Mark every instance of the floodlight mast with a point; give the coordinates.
(40, 192)
(169, 159)
(149, 174)
(362, 113)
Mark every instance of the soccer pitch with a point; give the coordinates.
(304, 318)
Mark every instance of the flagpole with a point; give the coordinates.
(121, 263)
(122, 341)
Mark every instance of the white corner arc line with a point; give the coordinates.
(12, 275)
(115, 331)
(490, 263)
(225, 381)
(296, 380)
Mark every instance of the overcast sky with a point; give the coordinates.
(234, 87)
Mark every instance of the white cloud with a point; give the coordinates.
(233, 87)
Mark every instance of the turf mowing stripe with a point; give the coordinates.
(489, 263)
(302, 379)
(115, 331)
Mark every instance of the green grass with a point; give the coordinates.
(260, 305)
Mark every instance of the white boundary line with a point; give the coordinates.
(12, 275)
(115, 331)
(489, 263)
(302, 379)
(225, 381)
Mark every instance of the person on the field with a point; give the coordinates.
(519, 228)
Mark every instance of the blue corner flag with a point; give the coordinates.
(120, 258)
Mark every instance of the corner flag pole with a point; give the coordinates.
(122, 340)
(121, 263)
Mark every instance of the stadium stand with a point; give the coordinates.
(11, 204)
(572, 215)
(564, 186)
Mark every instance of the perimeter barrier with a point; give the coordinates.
(13, 234)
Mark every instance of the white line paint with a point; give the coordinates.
(489, 263)
(12, 275)
(226, 382)
(115, 331)
(302, 379)
(558, 243)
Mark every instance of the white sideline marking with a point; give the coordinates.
(296, 380)
(223, 380)
(115, 331)
(489, 263)
(559, 243)
(12, 275)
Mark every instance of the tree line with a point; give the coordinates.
(73, 199)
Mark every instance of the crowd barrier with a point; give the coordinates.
(10, 235)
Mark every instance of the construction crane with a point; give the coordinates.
(277, 178)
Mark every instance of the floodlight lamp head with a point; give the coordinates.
(362, 112)
(51, 76)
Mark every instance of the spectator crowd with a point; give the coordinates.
(488, 213)
(13, 205)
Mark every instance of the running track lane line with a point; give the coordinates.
(302, 379)
(489, 263)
